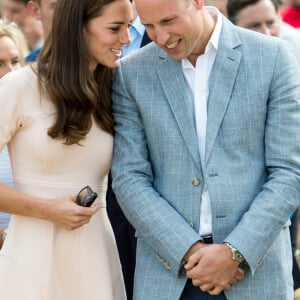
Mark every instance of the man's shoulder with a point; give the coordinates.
(249, 42)
(144, 55)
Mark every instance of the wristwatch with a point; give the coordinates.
(236, 254)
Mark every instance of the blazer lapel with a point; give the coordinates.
(221, 83)
(174, 87)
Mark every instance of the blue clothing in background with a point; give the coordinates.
(32, 56)
(6, 178)
(136, 32)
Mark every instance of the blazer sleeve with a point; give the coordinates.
(280, 194)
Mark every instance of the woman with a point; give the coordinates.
(12, 52)
(56, 116)
(13, 47)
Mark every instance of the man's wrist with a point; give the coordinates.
(192, 250)
(236, 254)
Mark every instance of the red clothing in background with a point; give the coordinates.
(291, 15)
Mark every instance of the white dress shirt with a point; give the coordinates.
(198, 79)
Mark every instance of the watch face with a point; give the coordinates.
(238, 256)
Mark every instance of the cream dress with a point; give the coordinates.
(39, 260)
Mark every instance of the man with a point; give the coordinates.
(41, 10)
(138, 35)
(206, 158)
(262, 16)
(16, 11)
(256, 15)
(123, 230)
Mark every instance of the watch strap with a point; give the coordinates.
(236, 254)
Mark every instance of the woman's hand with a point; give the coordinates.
(66, 213)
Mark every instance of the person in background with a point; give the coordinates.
(13, 48)
(206, 162)
(138, 35)
(286, 31)
(219, 4)
(16, 11)
(256, 15)
(262, 16)
(56, 117)
(294, 239)
(289, 33)
(41, 10)
(123, 230)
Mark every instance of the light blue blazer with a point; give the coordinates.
(252, 162)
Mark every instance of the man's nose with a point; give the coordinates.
(265, 30)
(160, 36)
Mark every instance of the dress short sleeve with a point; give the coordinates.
(13, 90)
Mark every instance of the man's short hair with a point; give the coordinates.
(235, 6)
(21, 1)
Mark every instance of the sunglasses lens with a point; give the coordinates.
(86, 197)
(83, 194)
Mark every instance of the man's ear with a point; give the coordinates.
(198, 3)
(34, 9)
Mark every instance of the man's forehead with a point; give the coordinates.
(19, 2)
(47, 2)
(158, 9)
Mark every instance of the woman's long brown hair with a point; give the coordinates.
(63, 73)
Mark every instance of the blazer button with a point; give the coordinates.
(195, 181)
(191, 223)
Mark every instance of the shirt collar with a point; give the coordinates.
(214, 39)
(139, 27)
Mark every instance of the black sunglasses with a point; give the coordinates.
(86, 196)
